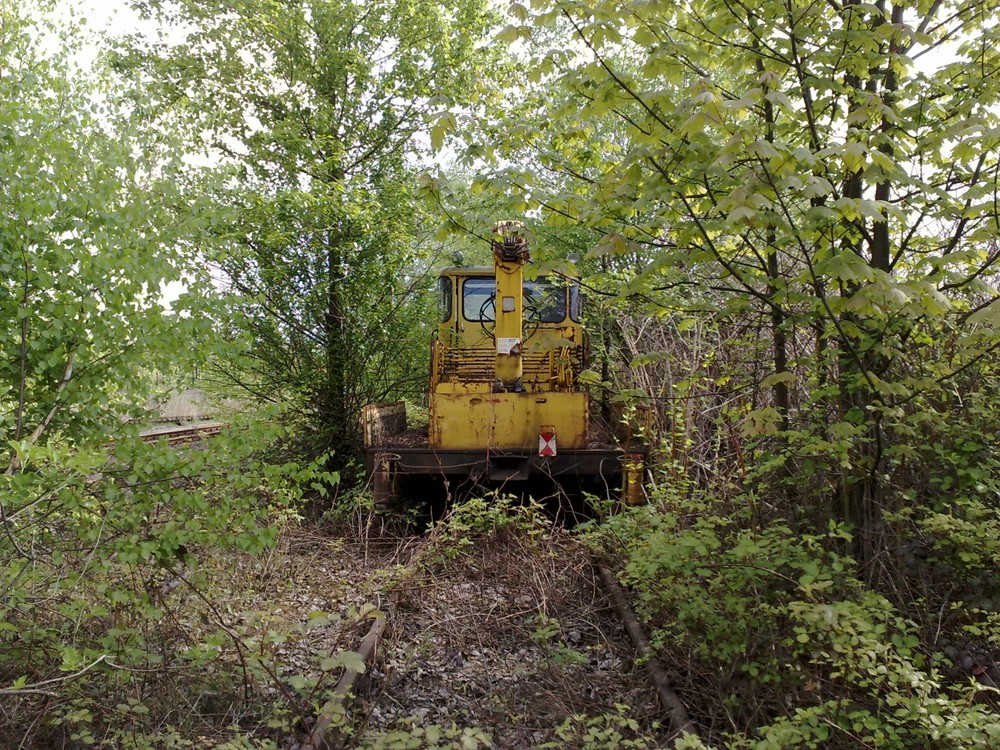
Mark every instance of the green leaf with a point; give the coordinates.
(350, 661)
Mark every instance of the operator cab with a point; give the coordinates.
(467, 302)
(551, 345)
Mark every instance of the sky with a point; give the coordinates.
(112, 14)
(110, 17)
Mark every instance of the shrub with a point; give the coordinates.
(780, 639)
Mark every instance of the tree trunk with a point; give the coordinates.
(334, 407)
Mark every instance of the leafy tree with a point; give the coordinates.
(88, 236)
(95, 220)
(831, 168)
(801, 199)
(321, 106)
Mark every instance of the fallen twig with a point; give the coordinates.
(36, 688)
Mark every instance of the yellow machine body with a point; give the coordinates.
(505, 361)
(507, 420)
(505, 405)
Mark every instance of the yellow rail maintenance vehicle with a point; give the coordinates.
(506, 410)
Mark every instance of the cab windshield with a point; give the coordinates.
(544, 301)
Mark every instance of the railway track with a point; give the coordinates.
(183, 435)
(421, 636)
(454, 633)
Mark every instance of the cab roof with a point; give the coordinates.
(467, 271)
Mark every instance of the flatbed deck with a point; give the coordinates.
(606, 461)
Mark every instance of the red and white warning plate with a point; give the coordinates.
(546, 444)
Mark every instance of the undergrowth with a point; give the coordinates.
(779, 642)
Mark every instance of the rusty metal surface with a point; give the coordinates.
(381, 421)
(593, 462)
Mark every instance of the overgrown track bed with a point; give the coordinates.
(502, 633)
(498, 634)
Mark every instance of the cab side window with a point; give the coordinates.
(445, 298)
(476, 299)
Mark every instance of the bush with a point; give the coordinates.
(94, 539)
(780, 640)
